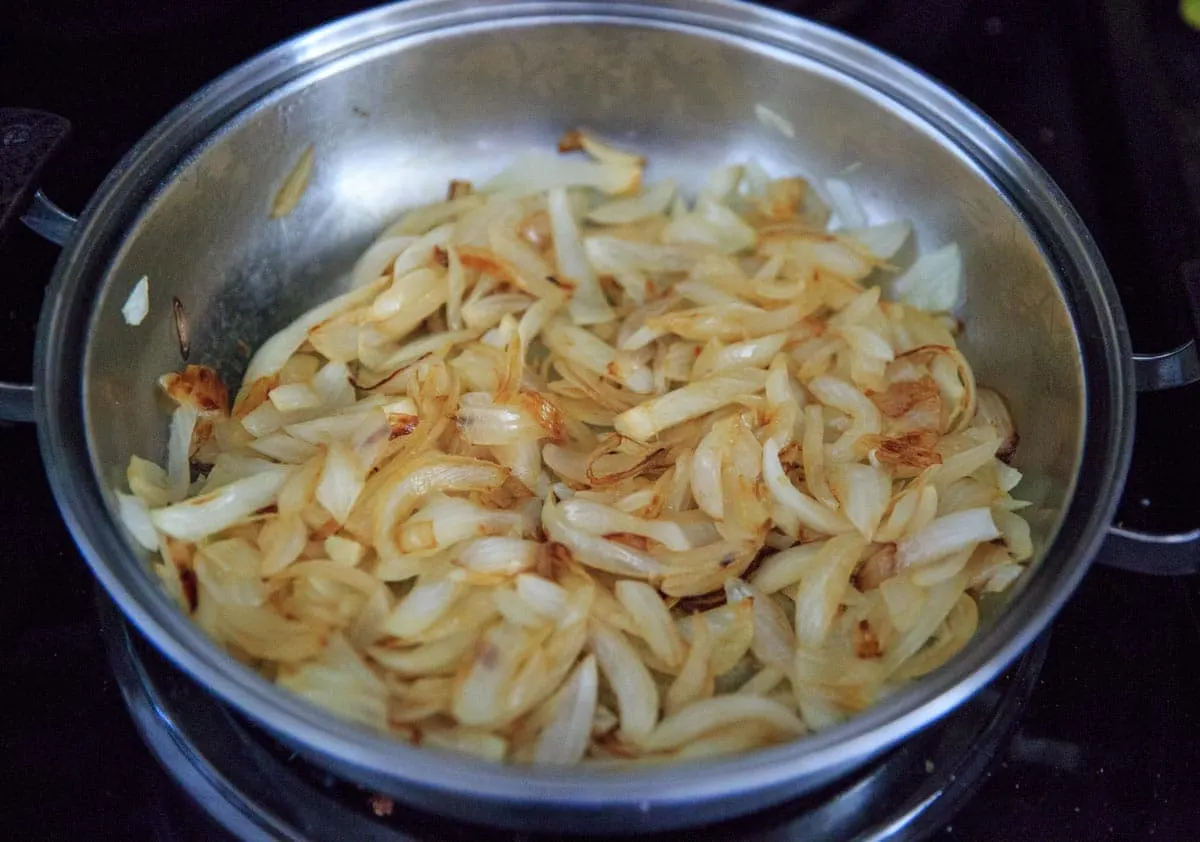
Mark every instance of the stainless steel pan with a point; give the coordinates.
(397, 101)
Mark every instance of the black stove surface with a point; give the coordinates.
(1105, 93)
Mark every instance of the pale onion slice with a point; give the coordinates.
(479, 696)
(712, 224)
(594, 354)
(294, 185)
(786, 567)
(281, 540)
(273, 354)
(732, 628)
(342, 479)
(537, 172)
(946, 535)
(846, 207)
(612, 254)
(708, 489)
(774, 641)
(649, 418)
(882, 241)
(500, 555)
(651, 202)
(340, 681)
(546, 668)
(653, 620)
(136, 517)
(148, 482)
(629, 678)
(587, 306)
(137, 305)
(1015, 531)
(722, 183)
(421, 220)
(179, 449)
(598, 149)
(708, 715)
(407, 292)
(396, 502)
(729, 323)
(774, 120)
(695, 678)
(264, 633)
(376, 259)
(424, 605)
(443, 521)
(820, 591)
(766, 680)
(542, 596)
(565, 739)
(596, 552)
(753, 353)
(939, 601)
(904, 601)
(344, 551)
(213, 511)
(847, 398)
(813, 456)
(294, 397)
(864, 493)
(599, 519)
(430, 659)
(933, 283)
(699, 292)
(278, 446)
(811, 513)
(490, 425)
(229, 571)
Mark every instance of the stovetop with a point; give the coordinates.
(1105, 93)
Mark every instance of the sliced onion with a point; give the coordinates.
(774, 641)
(688, 402)
(811, 513)
(708, 715)
(820, 592)
(588, 305)
(179, 448)
(603, 520)
(424, 605)
(565, 739)
(948, 534)
(537, 172)
(695, 678)
(884, 240)
(864, 493)
(630, 680)
(653, 620)
(845, 204)
(596, 552)
(213, 511)
(137, 305)
(786, 567)
(934, 283)
(651, 202)
(275, 352)
(136, 517)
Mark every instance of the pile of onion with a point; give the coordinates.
(578, 470)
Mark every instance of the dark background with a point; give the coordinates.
(1105, 94)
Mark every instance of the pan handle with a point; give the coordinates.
(28, 140)
(1171, 553)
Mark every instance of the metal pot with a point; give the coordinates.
(397, 101)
